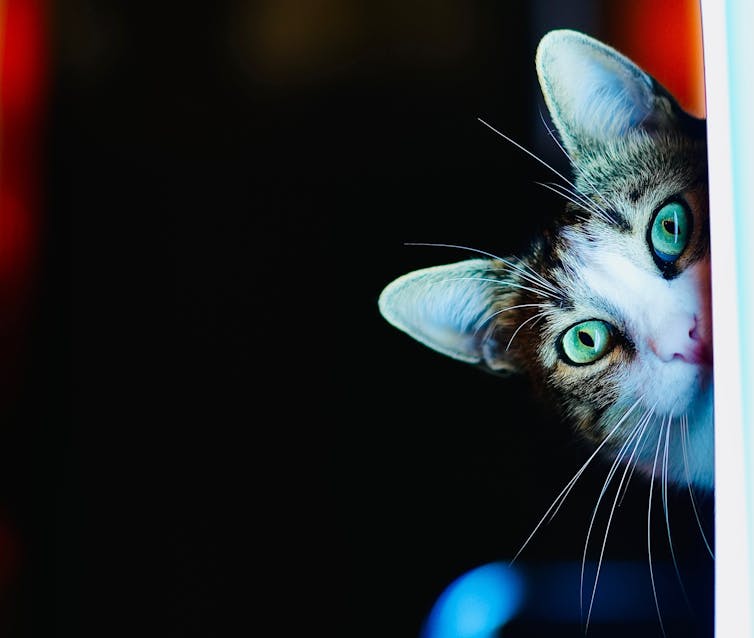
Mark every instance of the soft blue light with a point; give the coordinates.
(476, 604)
(740, 14)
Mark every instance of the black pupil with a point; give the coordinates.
(586, 339)
(669, 225)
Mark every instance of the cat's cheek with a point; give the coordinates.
(585, 418)
(671, 387)
(588, 390)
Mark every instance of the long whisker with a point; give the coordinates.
(578, 169)
(571, 196)
(610, 474)
(608, 479)
(566, 490)
(500, 282)
(639, 429)
(541, 161)
(649, 529)
(665, 462)
(523, 269)
(684, 437)
(458, 246)
(527, 151)
(638, 456)
(506, 309)
(607, 531)
(521, 305)
(535, 280)
(538, 316)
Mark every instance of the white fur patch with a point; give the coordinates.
(657, 315)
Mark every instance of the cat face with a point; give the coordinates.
(609, 312)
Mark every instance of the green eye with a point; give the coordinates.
(587, 341)
(670, 231)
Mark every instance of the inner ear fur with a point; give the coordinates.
(464, 310)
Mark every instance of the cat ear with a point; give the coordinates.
(451, 309)
(594, 93)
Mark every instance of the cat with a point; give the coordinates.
(608, 313)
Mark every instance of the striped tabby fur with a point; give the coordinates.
(609, 311)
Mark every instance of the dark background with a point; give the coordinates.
(218, 434)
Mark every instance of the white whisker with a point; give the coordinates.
(605, 214)
(608, 479)
(638, 456)
(538, 316)
(500, 282)
(526, 271)
(649, 529)
(574, 197)
(665, 462)
(538, 281)
(639, 429)
(612, 471)
(506, 309)
(684, 436)
(579, 170)
(458, 246)
(566, 490)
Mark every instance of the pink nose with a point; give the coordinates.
(686, 344)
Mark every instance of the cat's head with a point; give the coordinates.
(609, 312)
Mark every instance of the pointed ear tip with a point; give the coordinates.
(391, 305)
(547, 44)
(559, 37)
(384, 301)
(560, 49)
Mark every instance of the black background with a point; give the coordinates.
(219, 434)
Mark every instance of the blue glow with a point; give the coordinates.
(476, 604)
(740, 57)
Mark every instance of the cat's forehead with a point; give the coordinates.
(637, 171)
(597, 243)
(610, 271)
(597, 271)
